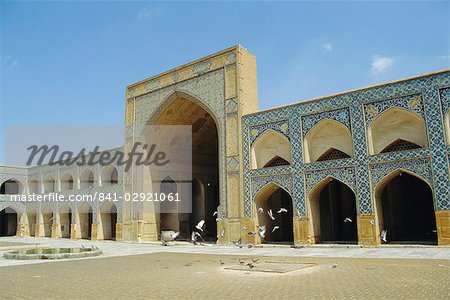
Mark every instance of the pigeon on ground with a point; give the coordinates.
(255, 260)
(238, 244)
(241, 261)
(200, 225)
(282, 210)
(270, 214)
(275, 228)
(250, 265)
(347, 220)
(221, 262)
(249, 246)
(384, 235)
(194, 237)
(262, 233)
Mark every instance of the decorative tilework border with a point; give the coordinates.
(340, 115)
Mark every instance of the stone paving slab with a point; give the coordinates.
(197, 276)
(111, 249)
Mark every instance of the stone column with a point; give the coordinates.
(75, 230)
(301, 234)
(39, 230)
(119, 232)
(56, 225)
(23, 229)
(443, 227)
(368, 231)
(97, 229)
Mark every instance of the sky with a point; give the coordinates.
(68, 63)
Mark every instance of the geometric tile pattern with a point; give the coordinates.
(345, 175)
(426, 95)
(340, 115)
(280, 126)
(410, 102)
(282, 180)
(421, 167)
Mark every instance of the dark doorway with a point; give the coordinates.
(8, 222)
(337, 204)
(168, 209)
(280, 230)
(408, 211)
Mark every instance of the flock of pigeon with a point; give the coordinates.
(262, 230)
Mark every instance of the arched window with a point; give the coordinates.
(67, 182)
(33, 187)
(270, 149)
(49, 184)
(11, 187)
(110, 176)
(276, 161)
(396, 129)
(86, 179)
(328, 140)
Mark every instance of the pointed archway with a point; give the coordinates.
(396, 129)
(65, 220)
(86, 217)
(274, 211)
(8, 222)
(109, 220)
(168, 211)
(405, 209)
(183, 109)
(270, 149)
(11, 187)
(328, 140)
(333, 215)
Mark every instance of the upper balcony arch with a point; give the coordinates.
(11, 186)
(328, 140)
(66, 181)
(86, 179)
(109, 175)
(49, 184)
(396, 129)
(33, 186)
(270, 149)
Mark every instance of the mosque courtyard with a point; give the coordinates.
(185, 271)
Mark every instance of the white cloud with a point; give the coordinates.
(327, 47)
(444, 56)
(8, 63)
(381, 63)
(145, 13)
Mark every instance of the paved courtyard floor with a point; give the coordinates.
(148, 271)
